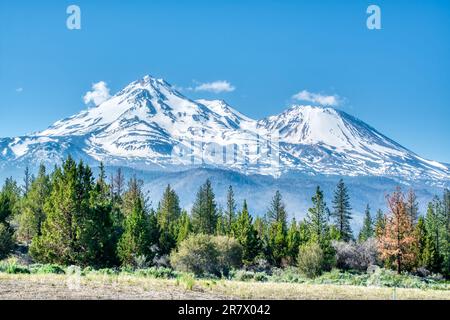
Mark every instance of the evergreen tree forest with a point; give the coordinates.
(70, 216)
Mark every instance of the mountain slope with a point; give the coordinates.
(330, 141)
(149, 125)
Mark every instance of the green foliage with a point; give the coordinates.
(277, 211)
(70, 218)
(367, 230)
(12, 267)
(293, 242)
(230, 253)
(168, 213)
(317, 217)
(77, 225)
(246, 235)
(10, 196)
(187, 280)
(197, 254)
(33, 214)
(46, 269)
(245, 275)
(277, 230)
(6, 241)
(310, 260)
(207, 255)
(446, 220)
(277, 243)
(184, 227)
(134, 241)
(157, 273)
(421, 243)
(380, 223)
(6, 208)
(230, 212)
(204, 210)
(436, 243)
(342, 211)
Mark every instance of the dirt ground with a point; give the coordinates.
(38, 287)
(43, 287)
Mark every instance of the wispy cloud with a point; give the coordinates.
(215, 87)
(99, 93)
(19, 89)
(324, 100)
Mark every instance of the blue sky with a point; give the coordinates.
(396, 79)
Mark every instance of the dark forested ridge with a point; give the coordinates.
(71, 217)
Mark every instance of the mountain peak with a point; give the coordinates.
(147, 120)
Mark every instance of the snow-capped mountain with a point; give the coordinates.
(330, 141)
(150, 125)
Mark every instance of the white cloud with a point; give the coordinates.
(216, 86)
(99, 93)
(323, 100)
(19, 89)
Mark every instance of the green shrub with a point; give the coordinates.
(230, 253)
(289, 275)
(46, 269)
(6, 241)
(187, 280)
(12, 267)
(244, 275)
(157, 272)
(310, 260)
(207, 255)
(197, 254)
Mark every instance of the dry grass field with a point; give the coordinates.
(50, 286)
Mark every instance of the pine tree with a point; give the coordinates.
(26, 181)
(168, 213)
(397, 243)
(246, 235)
(6, 208)
(12, 192)
(293, 241)
(134, 191)
(154, 233)
(6, 231)
(421, 243)
(6, 240)
(342, 214)
(33, 214)
(435, 226)
(204, 211)
(118, 182)
(102, 187)
(76, 229)
(261, 226)
(277, 229)
(230, 213)
(277, 212)
(317, 217)
(185, 227)
(135, 238)
(66, 207)
(277, 243)
(222, 224)
(367, 230)
(97, 238)
(304, 232)
(446, 226)
(380, 223)
(412, 207)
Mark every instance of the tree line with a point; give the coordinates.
(69, 217)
